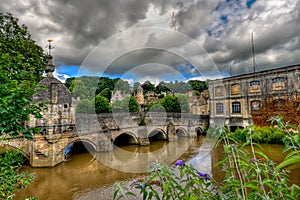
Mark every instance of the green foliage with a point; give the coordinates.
(175, 182)
(122, 85)
(198, 85)
(184, 102)
(78, 89)
(267, 134)
(161, 87)
(102, 104)
(133, 105)
(248, 172)
(148, 86)
(154, 106)
(22, 63)
(136, 86)
(11, 178)
(106, 93)
(85, 106)
(171, 104)
(129, 104)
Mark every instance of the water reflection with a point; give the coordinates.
(83, 177)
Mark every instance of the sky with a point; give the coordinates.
(163, 40)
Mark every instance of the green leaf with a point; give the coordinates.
(290, 161)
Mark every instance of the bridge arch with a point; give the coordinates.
(20, 149)
(88, 145)
(157, 134)
(181, 132)
(126, 138)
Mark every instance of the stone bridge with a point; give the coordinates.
(100, 132)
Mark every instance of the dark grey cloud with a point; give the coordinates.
(222, 28)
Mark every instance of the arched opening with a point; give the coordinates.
(157, 135)
(78, 147)
(180, 132)
(125, 139)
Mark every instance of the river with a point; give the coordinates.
(91, 176)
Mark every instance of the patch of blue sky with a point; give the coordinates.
(68, 70)
(250, 3)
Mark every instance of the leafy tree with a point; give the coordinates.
(22, 63)
(198, 85)
(122, 86)
(102, 104)
(129, 104)
(79, 89)
(133, 105)
(184, 102)
(106, 93)
(154, 106)
(148, 86)
(85, 106)
(69, 82)
(135, 86)
(162, 87)
(171, 104)
(10, 177)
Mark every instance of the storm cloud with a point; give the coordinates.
(222, 29)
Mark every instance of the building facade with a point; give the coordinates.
(59, 117)
(233, 99)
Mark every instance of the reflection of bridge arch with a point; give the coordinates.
(181, 132)
(126, 138)
(199, 131)
(90, 143)
(157, 134)
(20, 149)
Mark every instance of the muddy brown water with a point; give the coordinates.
(90, 176)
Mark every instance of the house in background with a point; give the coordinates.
(118, 96)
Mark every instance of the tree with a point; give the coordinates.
(11, 178)
(154, 106)
(102, 104)
(148, 86)
(161, 87)
(171, 104)
(133, 105)
(85, 106)
(136, 86)
(79, 89)
(122, 86)
(129, 104)
(106, 93)
(22, 63)
(198, 85)
(184, 102)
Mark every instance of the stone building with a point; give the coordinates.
(233, 99)
(59, 117)
(140, 96)
(118, 96)
(199, 104)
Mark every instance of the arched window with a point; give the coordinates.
(236, 107)
(254, 86)
(278, 83)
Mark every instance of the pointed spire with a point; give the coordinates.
(50, 67)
